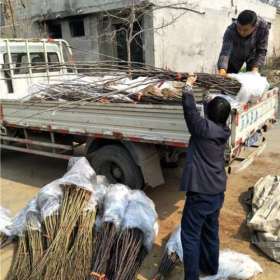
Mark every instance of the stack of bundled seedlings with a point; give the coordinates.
(79, 88)
(49, 202)
(139, 228)
(80, 227)
(5, 223)
(79, 258)
(115, 204)
(34, 236)
(77, 187)
(120, 84)
(204, 80)
(173, 255)
(264, 219)
(22, 226)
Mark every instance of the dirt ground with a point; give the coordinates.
(23, 174)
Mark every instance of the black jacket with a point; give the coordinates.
(204, 170)
(237, 50)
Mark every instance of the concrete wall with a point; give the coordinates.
(194, 41)
(275, 31)
(53, 9)
(191, 43)
(85, 48)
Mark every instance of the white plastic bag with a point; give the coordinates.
(18, 225)
(174, 244)
(141, 214)
(5, 221)
(98, 193)
(235, 265)
(80, 174)
(50, 207)
(115, 204)
(49, 191)
(253, 85)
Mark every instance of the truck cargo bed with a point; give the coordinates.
(162, 124)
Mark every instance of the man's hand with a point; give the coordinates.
(222, 72)
(191, 79)
(255, 70)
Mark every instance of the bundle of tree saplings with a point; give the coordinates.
(77, 186)
(173, 255)
(5, 223)
(115, 204)
(138, 230)
(80, 227)
(47, 242)
(27, 229)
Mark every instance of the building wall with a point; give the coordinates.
(275, 30)
(190, 43)
(85, 48)
(193, 42)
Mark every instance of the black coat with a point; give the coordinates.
(237, 50)
(204, 170)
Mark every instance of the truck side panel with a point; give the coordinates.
(137, 123)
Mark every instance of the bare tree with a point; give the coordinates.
(134, 14)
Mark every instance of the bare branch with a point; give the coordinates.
(174, 6)
(182, 8)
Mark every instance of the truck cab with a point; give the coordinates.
(27, 62)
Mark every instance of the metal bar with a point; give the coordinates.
(10, 58)
(43, 144)
(46, 60)
(26, 137)
(28, 59)
(61, 52)
(30, 151)
(53, 141)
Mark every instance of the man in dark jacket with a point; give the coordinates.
(244, 41)
(204, 180)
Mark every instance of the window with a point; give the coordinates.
(77, 27)
(20, 63)
(136, 46)
(54, 29)
(53, 62)
(38, 62)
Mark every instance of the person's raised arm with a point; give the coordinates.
(196, 124)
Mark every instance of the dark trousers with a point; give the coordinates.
(200, 234)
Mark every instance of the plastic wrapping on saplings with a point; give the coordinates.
(33, 218)
(80, 174)
(235, 265)
(50, 207)
(174, 244)
(141, 214)
(18, 226)
(72, 161)
(102, 180)
(253, 85)
(49, 199)
(5, 221)
(49, 191)
(100, 189)
(97, 196)
(115, 204)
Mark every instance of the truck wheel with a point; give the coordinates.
(117, 165)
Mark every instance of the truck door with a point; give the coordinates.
(20, 75)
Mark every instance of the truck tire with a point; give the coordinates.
(114, 162)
